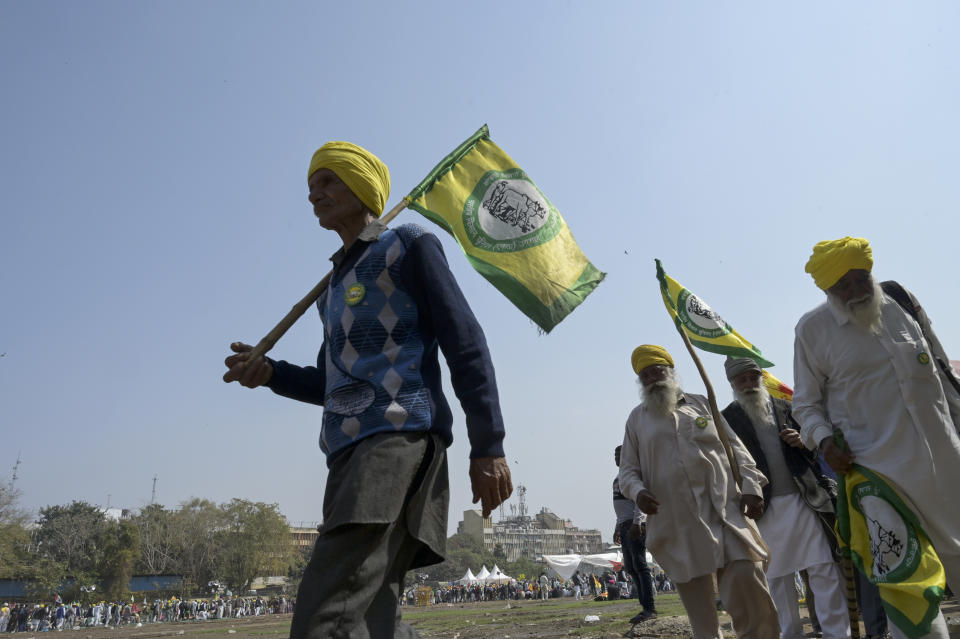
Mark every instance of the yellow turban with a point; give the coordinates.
(832, 259)
(648, 355)
(361, 170)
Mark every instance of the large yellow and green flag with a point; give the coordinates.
(884, 538)
(705, 328)
(508, 229)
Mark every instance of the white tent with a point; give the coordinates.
(467, 578)
(497, 576)
(483, 574)
(566, 565)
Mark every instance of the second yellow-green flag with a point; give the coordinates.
(508, 229)
(703, 326)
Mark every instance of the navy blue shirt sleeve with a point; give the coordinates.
(445, 314)
(303, 383)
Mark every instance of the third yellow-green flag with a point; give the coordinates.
(886, 541)
(508, 229)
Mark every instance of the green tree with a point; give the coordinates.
(158, 551)
(44, 577)
(121, 550)
(14, 537)
(193, 531)
(463, 551)
(255, 542)
(73, 536)
(301, 557)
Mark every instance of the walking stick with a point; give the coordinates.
(848, 577)
(271, 338)
(846, 562)
(721, 431)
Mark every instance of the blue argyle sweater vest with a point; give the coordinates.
(373, 348)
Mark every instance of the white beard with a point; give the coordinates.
(662, 397)
(756, 404)
(863, 312)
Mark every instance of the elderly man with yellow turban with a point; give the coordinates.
(866, 366)
(673, 466)
(391, 306)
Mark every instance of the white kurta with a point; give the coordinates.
(680, 459)
(884, 393)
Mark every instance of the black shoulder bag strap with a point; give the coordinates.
(905, 300)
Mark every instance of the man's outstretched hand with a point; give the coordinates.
(249, 374)
(490, 479)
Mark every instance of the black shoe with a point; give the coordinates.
(646, 615)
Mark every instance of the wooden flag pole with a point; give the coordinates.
(714, 410)
(721, 431)
(295, 313)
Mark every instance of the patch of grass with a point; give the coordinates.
(557, 613)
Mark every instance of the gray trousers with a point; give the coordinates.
(385, 512)
(355, 595)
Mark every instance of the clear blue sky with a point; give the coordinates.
(153, 209)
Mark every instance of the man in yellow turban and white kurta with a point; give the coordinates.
(673, 466)
(865, 366)
(392, 305)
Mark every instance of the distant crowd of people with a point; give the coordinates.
(609, 584)
(42, 617)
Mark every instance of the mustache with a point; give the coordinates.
(866, 298)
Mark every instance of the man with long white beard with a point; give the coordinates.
(864, 366)
(673, 466)
(798, 509)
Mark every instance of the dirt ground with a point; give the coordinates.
(487, 620)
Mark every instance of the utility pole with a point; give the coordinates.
(13, 480)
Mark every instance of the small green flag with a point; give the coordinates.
(508, 229)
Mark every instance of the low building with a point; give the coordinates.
(530, 537)
(476, 525)
(304, 537)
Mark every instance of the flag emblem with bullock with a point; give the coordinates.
(508, 230)
(707, 330)
(702, 325)
(886, 541)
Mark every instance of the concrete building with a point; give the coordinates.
(530, 537)
(304, 536)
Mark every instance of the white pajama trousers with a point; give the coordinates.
(826, 582)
